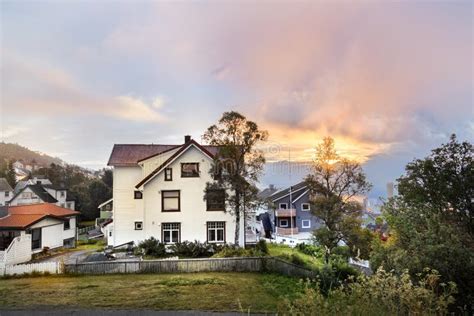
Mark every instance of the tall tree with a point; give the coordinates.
(238, 162)
(10, 174)
(334, 182)
(431, 219)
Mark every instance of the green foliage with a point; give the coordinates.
(384, 293)
(190, 249)
(333, 182)
(262, 247)
(238, 164)
(341, 251)
(8, 172)
(431, 220)
(311, 250)
(228, 251)
(151, 247)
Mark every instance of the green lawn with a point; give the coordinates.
(82, 224)
(195, 291)
(286, 252)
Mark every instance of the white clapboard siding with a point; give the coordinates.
(42, 267)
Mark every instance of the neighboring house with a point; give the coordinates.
(292, 212)
(34, 180)
(60, 193)
(106, 209)
(39, 193)
(6, 192)
(18, 164)
(48, 225)
(159, 192)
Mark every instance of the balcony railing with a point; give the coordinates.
(285, 212)
(286, 230)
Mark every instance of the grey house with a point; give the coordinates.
(292, 211)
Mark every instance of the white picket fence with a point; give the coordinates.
(42, 267)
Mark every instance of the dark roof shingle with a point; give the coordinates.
(4, 186)
(131, 154)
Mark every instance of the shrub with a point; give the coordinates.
(342, 251)
(262, 247)
(190, 249)
(151, 247)
(384, 293)
(227, 251)
(310, 250)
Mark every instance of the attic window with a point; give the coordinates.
(168, 174)
(190, 170)
(138, 195)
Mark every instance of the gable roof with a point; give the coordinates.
(4, 186)
(178, 153)
(105, 203)
(296, 191)
(266, 193)
(42, 208)
(124, 155)
(23, 216)
(40, 191)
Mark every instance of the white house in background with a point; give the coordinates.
(34, 180)
(6, 191)
(159, 191)
(39, 193)
(47, 225)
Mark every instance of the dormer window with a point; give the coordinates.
(62, 193)
(190, 170)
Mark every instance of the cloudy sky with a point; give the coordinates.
(389, 81)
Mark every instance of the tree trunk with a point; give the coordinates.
(237, 218)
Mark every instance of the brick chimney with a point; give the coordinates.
(187, 139)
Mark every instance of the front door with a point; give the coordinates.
(36, 239)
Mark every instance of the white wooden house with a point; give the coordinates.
(158, 191)
(42, 226)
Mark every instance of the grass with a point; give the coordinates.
(82, 224)
(195, 291)
(285, 253)
(94, 244)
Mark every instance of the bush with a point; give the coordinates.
(228, 251)
(381, 294)
(190, 249)
(262, 247)
(151, 247)
(311, 250)
(342, 251)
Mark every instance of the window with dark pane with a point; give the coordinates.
(215, 200)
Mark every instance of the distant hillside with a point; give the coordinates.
(9, 151)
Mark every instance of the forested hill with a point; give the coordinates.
(9, 151)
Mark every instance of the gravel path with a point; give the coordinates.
(69, 257)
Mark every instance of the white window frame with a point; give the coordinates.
(305, 210)
(283, 208)
(170, 231)
(281, 225)
(216, 226)
(306, 226)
